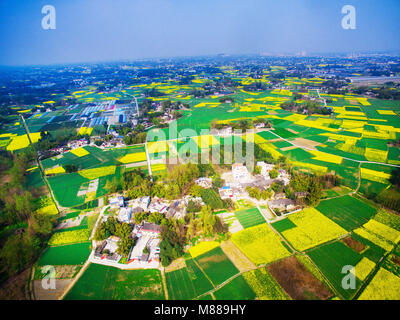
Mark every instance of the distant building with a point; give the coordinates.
(204, 182)
(125, 214)
(240, 173)
(265, 168)
(150, 229)
(117, 201)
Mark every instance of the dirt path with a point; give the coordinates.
(164, 281)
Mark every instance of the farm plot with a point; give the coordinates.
(264, 285)
(260, 244)
(72, 254)
(66, 188)
(384, 286)
(187, 283)
(202, 247)
(312, 229)
(100, 282)
(330, 259)
(390, 219)
(347, 212)
(231, 221)
(297, 281)
(249, 217)
(380, 234)
(216, 266)
(95, 173)
(69, 237)
(241, 262)
(237, 289)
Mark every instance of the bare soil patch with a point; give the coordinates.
(396, 260)
(291, 130)
(354, 244)
(176, 265)
(50, 294)
(305, 143)
(297, 281)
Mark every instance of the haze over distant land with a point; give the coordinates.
(102, 30)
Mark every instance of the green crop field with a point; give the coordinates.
(237, 289)
(249, 217)
(348, 212)
(100, 282)
(216, 266)
(72, 254)
(187, 283)
(283, 225)
(330, 259)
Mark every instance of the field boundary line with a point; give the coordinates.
(70, 286)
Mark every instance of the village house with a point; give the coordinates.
(117, 201)
(151, 229)
(282, 204)
(108, 250)
(125, 214)
(240, 173)
(265, 168)
(176, 210)
(158, 205)
(204, 182)
(140, 204)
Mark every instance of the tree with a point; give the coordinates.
(273, 173)
(395, 177)
(24, 205)
(125, 245)
(207, 220)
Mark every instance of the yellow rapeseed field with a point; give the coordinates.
(260, 244)
(364, 268)
(202, 247)
(20, 142)
(326, 157)
(373, 175)
(80, 152)
(55, 170)
(313, 228)
(133, 157)
(95, 173)
(384, 286)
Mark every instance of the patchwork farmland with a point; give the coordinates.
(322, 195)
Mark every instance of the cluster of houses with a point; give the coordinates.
(146, 250)
(239, 178)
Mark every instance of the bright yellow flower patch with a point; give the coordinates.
(202, 247)
(384, 286)
(260, 244)
(205, 141)
(133, 157)
(326, 157)
(80, 152)
(313, 228)
(55, 170)
(373, 175)
(95, 173)
(157, 146)
(364, 268)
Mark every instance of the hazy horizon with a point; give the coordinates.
(129, 30)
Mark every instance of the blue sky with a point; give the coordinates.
(109, 30)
